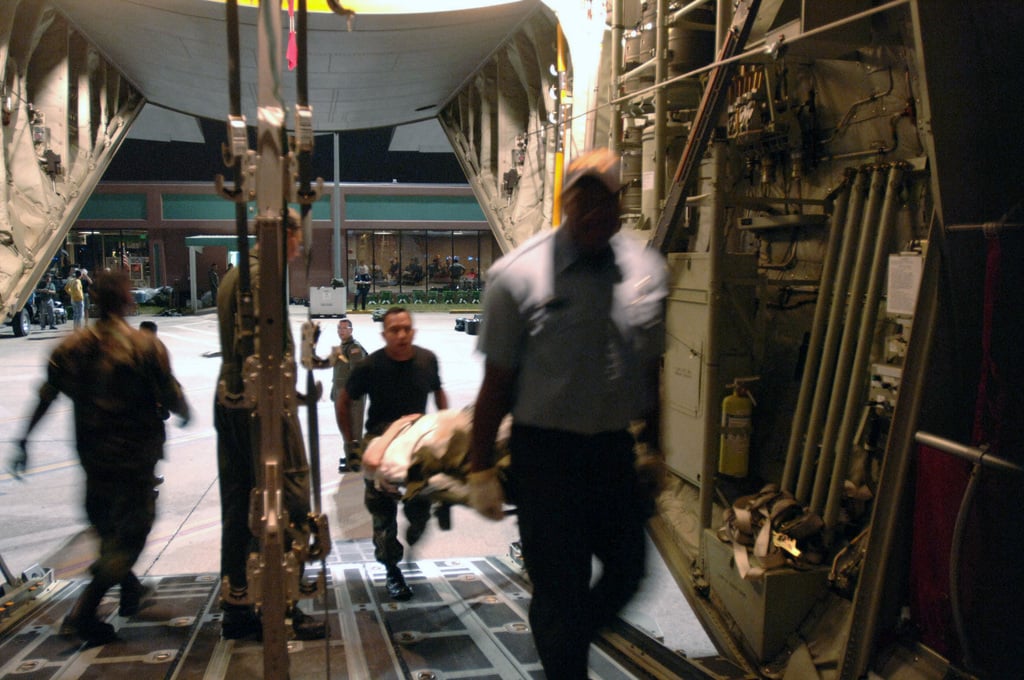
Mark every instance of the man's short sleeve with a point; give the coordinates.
(501, 328)
(435, 378)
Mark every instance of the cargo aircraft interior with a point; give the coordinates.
(837, 189)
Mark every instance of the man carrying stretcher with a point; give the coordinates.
(397, 379)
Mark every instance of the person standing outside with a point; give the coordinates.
(363, 281)
(45, 294)
(572, 333)
(119, 380)
(86, 283)
(214, 280)
(397, 379)
(456, 270)
(343, 359)
(238, 462)
(73, 288)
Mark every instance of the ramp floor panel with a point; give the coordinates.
(467, 619)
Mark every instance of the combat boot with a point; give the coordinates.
(133, 592)
(82, 620)
(305, 626)
(396, 586)
(240, 621)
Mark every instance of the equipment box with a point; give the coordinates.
(767, 610)
(327, 301)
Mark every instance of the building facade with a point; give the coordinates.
(418, 241)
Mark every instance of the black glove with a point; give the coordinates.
(20, 460)
(185, 415)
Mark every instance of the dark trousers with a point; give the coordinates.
(238, 465)
(577, 499)
(361, 295)
(121, 505)
(237, 477)
(47, 316)
(383, 508)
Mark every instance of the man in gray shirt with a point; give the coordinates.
(573, 332)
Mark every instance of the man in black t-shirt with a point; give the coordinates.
(397, 379)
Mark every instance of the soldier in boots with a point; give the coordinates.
(120, 381)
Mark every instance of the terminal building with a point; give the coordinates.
(407, 235)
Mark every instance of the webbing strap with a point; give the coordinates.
(740, 527)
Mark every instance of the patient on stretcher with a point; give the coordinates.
(425, 455)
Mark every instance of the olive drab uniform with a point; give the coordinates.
(238, 449)
(115, 374)
(344, 358)
(45, 296)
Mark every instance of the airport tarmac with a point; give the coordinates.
(43, 521)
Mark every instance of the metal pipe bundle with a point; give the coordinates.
(814, 345)
(844, 360)
(859, 376)
(851, 236)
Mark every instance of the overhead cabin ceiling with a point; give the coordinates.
(389, 70)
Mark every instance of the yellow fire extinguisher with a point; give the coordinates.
(737, 426)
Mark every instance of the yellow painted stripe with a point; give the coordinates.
(41, 469)
(385, 6)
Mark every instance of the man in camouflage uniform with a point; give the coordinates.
(120, 382)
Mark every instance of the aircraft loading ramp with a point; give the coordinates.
(468, 619)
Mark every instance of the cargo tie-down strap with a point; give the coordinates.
(771, 522)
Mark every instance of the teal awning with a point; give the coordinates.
(213, 240)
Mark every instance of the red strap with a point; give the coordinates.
(293, 49)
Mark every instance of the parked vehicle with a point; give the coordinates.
(22, 322)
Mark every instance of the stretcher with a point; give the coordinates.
(425, 455)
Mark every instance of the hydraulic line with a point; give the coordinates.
(822, 388)
(844, 369)
(304, 134)
(560, 127)
(956, 550)
(235, 152)
(888, 512)
(317, 521)
(660, 101)
(615, 133)
(810, 372)
(855, 394)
